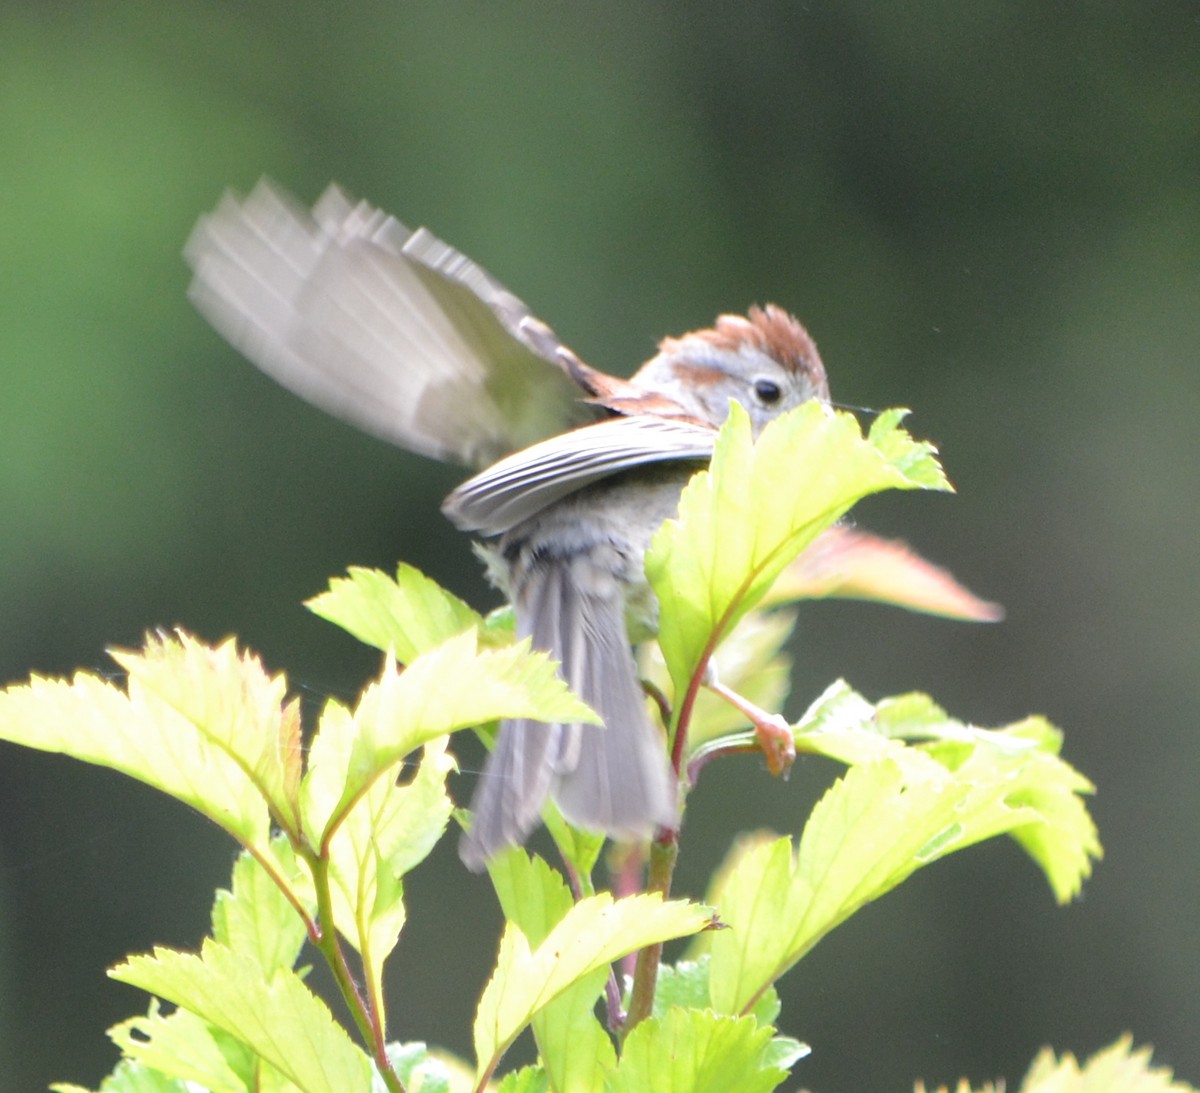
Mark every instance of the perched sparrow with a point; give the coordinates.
(398, 333)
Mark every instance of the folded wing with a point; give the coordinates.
(524, 483)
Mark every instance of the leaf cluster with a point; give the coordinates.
(333, 825)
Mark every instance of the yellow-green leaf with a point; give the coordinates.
(390, 829)
(1118, 1068)
(203, 724)
(449, 687)
(254, 917)
(697, 1051)
(594, 933)
(276, 1016)
(187, 1048)
(575, 1050)
(884, 819)
(408, 615)
(759, 504)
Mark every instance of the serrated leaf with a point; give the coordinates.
(450, 687)
(373, 838)
(529, 1079)
(187, 1048)
(390, 829)
(232, 703)
(874, 827)
(697, 1051)
(742, 521)
(915, 460)
(594, 933)
(843, 725)
(275, 1016)
(203, 724)
(533, 896)
(580, 849)
(785, 1052)
(682, 985)
(685, 984)
(422, 1071)
(254, 917)
(429, 1070)
(575, 1050)
(408, 615)
(1118, 1068)
(130, 1077)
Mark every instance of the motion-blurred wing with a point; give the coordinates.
(527, 481)
(387, 328)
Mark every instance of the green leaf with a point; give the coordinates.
(1116, 1069)
(742, 521)
(785, 1052)
(529, 1079)
(422, 1071)
(915, 460)
(428, 1070)
(452, 686)
(533, 896)
(131, 1077)
(697, 1051)
(845, 726)
(594, 933)
(575, 1050)
(202, 724)
(840, 724)
(883, 820)
(685, 984)
(580, 849)
(255, 918)
(407, 616)
(275, 1016)
(187, 1048)
(682, 985)
(390, 829)
(235, 706)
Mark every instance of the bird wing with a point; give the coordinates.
(525, 482)
(390, 329)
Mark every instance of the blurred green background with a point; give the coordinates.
(989, 212)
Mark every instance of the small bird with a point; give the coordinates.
(398, 333)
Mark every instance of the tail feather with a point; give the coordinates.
(613, 778)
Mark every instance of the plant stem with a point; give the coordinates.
(369, 1028)
(663, 854)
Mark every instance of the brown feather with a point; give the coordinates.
(772, 331)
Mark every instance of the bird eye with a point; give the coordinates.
(767, 392)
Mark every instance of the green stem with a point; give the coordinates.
(664, 852)
(327, 943)
(660, 870)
